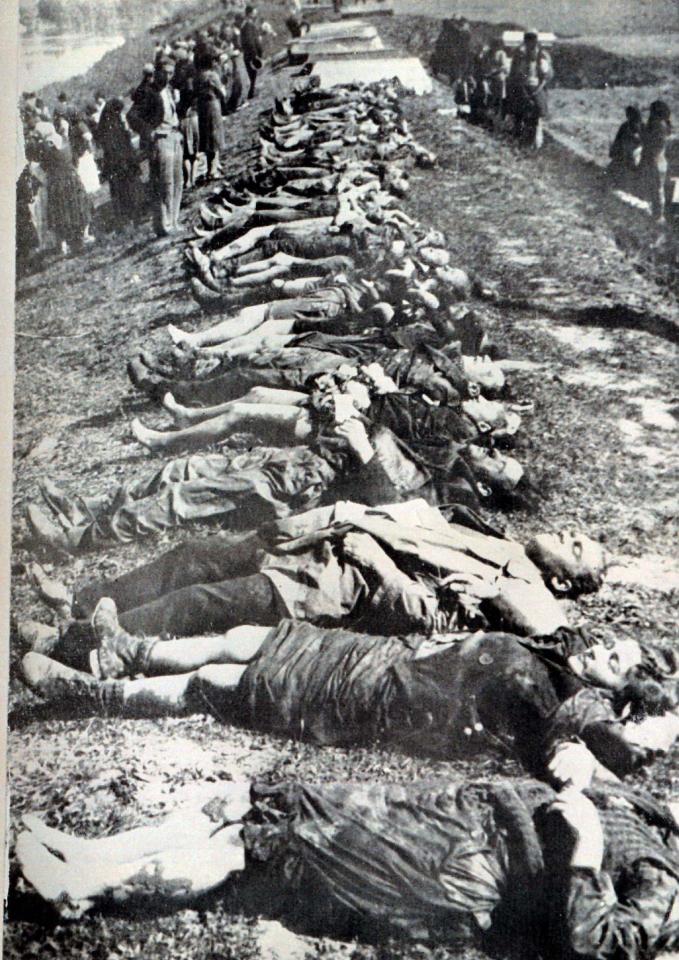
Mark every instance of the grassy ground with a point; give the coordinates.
(532, 228)
(630, 17)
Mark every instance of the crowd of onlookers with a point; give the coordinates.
(175, 114)
(639, 161)
(496, 88)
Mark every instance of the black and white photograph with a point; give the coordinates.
(344, 551)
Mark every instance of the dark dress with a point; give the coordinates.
(69, 209)
(210, 98)
(459, 861)
(120, 166)
(340, 687)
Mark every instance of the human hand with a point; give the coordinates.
(573, 765)
(354, 432)
(582, 817)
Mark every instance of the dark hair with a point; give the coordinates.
(659, 110)
(646, 696)
(633, 114)
(62, 97)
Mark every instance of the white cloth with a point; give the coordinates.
(88, 173)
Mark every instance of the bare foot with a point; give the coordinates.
(182, 415)
(151, 439)
(176, 335)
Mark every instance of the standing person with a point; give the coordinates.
(210, 101)
(236, 86)
(120, 164)
(82, 147)
(157, 114)
(625, 152)
(251, 46)
(135, 113)
(654, 158)
(68, 207)
(530, 72)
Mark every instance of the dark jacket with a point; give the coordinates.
(251, 45)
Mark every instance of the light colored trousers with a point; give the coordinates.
(167, 181)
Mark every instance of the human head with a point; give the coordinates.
(62, 98)
(484, 372)
(164, 71)
(499, 473)
(571, 563)
(491, 416)
(147, 70)
(250, 10)
(434, 256)
(100, 97)
(659, 110)
(530, 38)
(633, 114)
(609, 663)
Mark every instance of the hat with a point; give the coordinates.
(148, 70)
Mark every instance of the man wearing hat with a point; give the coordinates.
(530, 72)
(157, 122)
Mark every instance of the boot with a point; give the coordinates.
(61, 504)
(79, 694)
(119, 653)
(47, 533)
(51, 592)
(36, 637)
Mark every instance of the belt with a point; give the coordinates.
(164, 136)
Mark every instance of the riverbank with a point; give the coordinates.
(119, 70)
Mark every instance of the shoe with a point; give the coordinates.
(36, 637)
(79, 693)
(45, 532)
(52, 592)
(203, 295)
(119, 653)
(61, 504)
(142, 379)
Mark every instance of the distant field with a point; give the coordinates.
(562, 16)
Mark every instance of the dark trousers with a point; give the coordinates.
(201, 586)
(251, 71)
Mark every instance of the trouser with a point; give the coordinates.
(251, 71)
(248, 488)
(200, 587)
(167, 181)
(655, 183)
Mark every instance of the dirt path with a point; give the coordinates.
(600, 446)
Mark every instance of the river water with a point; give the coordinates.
(51, 58)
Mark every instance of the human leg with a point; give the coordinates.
(272, 424)
(205, 560)
(161, 160)
(258, 394)
(179, 873)
(206, 608)
(177, 175)
(245, 321)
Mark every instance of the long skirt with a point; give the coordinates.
(69, 208)
(210, 125)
